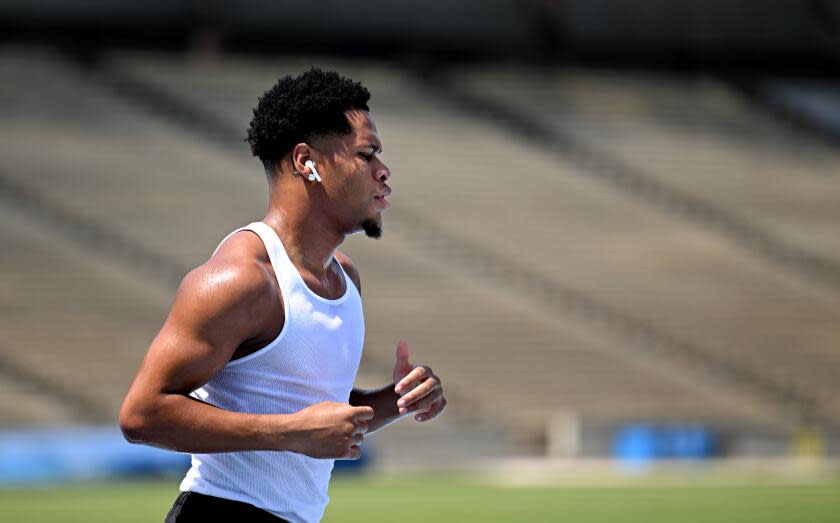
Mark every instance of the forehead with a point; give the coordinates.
(364, 128)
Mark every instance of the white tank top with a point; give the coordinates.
(314, 358)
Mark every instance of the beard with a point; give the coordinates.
(371, 228)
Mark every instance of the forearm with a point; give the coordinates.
(384, 403)
(185, 424)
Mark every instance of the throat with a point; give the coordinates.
(330, 286)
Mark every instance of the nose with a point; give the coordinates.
(382, 173)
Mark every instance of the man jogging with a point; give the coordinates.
(253, 370)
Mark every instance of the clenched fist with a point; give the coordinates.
(329, 430)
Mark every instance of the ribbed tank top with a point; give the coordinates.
(314, 358)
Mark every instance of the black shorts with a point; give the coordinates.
(192, 507)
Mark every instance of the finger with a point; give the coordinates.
(433, 412)
(403, 366)
(421, 391)
(402, 354)
(362, 413)
(410, 402)
(414, 378)
(424, 404)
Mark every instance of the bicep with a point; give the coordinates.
(179, 360)
(210, 318)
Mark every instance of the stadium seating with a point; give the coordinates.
(657, 267)
(694, 135)
(532, 287)
(74, 328)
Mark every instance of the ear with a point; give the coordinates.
(300, 154)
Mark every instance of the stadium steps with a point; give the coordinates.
(689, 146)
(24, 403)
(210, 84)
(65, 170)
(785, 356)
(69, 203)
(74, 330)
(227, 95)
(435, 340)
(106, 162)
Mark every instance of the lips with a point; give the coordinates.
(381, 197)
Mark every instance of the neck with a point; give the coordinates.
(307, 235)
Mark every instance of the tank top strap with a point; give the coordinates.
(287, 274)
(283, 266)
(226, 239)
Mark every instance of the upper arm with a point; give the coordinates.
(350, 269)
(216, 309)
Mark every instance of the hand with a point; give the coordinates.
(330, 430)
(420, 389)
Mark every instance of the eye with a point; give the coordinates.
(367, 157)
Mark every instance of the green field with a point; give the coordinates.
(443, 500)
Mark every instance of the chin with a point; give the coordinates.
(372, 228)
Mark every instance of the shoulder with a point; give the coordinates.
(235, 281)
(349, 268)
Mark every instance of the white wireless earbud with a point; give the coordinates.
(313, 172)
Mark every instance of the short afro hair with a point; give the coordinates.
(300, 108)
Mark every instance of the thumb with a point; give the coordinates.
(402, 366)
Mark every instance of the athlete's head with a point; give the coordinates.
(324, 117)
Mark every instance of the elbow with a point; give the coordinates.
(133, 423)
(132, 429)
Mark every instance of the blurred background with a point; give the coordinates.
(615, 234)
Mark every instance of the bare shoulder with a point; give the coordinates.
(349, 268)
(219, 306)
(235, 284)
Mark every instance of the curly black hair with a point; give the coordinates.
(300, 108)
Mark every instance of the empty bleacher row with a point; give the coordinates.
(695, 136)
(509, 358)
